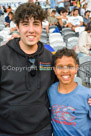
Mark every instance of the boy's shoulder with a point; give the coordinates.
(53, 86)
(52, 89)
(3, 49)
(84, 89)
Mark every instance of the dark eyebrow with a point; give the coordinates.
(36, 21)
(66, 65)
(25, 21)
(70, 65)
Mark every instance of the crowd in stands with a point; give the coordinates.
(84, 42)
(72, 14)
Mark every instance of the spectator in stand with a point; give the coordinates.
(67, 5)
(60, 5)
(45, 25)
(37, 2)
(71, 4)
(75, 4)
(84, 44)
(56, 5)
(58, 17)
(86, 18)
(9, 9)
(13, 28)
(47, 4)
(70, 112)
(78, 3)
(7, 21)
(83, 9)
(24, 105)
(52, 19)
(64, 17)
(88, 4)
(4, 9)
(75, 21)
(53, 4)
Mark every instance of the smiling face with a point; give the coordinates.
(10, 16)
(65, 70)
(88, 13)
(53, 13)
(76, 13)
(64, 14)
(30, 33)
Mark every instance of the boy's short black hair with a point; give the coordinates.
(61, 9)
(65, 52)
(11, 13)
(75, 9)
(53, 11)
(28, 10)
(87, 11)
(64, 10)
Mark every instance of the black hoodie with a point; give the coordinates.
(24, 106)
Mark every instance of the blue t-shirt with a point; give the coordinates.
(70, 113)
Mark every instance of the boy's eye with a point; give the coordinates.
(59, 67)
(70, 67)
(25, 24)
(65, 67)
(36, 24)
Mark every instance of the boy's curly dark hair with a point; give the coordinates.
(28, 10)
(65, 52)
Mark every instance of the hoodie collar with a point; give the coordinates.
(14, 45)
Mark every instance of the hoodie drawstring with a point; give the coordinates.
(32, 73)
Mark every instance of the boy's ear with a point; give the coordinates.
(77, 66)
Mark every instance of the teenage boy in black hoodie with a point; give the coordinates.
(26, 74)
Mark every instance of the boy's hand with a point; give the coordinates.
(89, 101)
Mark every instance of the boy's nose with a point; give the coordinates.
(31, 28)
(65, 68)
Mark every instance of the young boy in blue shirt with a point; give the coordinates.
(70, 112)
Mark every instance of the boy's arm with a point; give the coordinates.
(89, 102)
(90, 112)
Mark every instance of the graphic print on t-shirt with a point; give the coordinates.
(63, 114)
